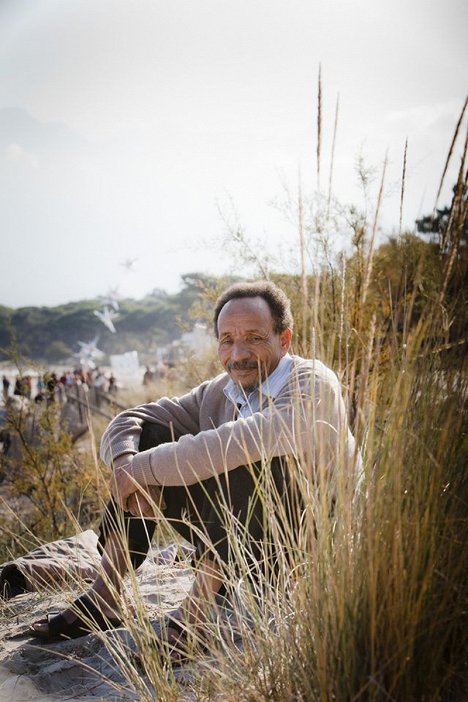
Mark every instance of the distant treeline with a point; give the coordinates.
(53, 333)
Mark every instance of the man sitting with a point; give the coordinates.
(199, 453)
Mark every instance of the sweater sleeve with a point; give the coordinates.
(306, 419)
(180, 414)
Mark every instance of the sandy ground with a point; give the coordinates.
(84, 669)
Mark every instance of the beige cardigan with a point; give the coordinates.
(306, 420)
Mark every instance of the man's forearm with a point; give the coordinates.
(122, 435)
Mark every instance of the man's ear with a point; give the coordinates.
(285, 340)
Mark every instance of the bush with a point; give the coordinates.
(47, 483)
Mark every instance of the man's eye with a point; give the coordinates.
(225, 341)
(254, 339)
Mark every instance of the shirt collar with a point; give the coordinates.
(270, 387)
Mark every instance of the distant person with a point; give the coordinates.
(39, 385)
(6, 388)
(50, 384)
(19, 388)
(39, 397)
(112, 389)
(5, 443)
(99, 380)
(27, 384)
(99, 384)
(5, 438)
(148, 376)
(207, 451)
(79, 378)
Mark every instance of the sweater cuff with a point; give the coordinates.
(141, 469)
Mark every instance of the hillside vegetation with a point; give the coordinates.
(52, 333)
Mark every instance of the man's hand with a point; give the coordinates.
(146, 505)
(129, 495)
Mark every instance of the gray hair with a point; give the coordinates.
(276, 299)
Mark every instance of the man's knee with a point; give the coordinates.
(153, 435)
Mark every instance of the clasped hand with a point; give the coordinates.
(138, 500)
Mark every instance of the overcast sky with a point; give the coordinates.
(127, 127)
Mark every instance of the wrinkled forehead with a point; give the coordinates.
(249, 312)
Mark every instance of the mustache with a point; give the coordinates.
(243, 365)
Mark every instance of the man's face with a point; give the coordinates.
(248, 346)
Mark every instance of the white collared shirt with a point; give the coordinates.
(268, 390)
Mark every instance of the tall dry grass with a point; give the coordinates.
(368, 597)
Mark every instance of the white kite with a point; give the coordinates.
(88, 353)
(129, 264)
(106, 316)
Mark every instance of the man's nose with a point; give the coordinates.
(240, 351)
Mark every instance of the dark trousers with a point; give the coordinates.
(200, 508)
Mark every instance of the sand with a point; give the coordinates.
(83, 669)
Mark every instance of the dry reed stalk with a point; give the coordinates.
(402, 191)
(450, 152)
(315, 319)
(332, 155)
(457, 219)
(319, 124)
